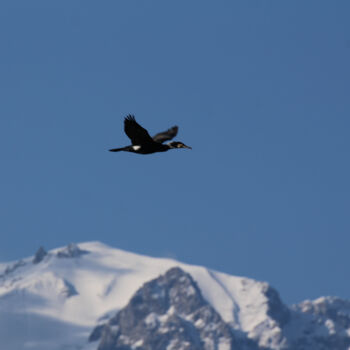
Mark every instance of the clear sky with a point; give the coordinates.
(259, 89)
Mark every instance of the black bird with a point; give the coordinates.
(143, 143)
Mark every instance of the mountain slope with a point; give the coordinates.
(55, 299)
(166, 313)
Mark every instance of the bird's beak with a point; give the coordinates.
(184, 146)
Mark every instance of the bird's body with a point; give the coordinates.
(151, 148)
(143, 143)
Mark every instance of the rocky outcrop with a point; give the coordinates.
(39, 255)
(170, 313)
(72, 250)
(166, 313)
(321, 324)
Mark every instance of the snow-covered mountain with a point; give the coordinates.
(91, 296)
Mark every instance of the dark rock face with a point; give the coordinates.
(332, 308)
(39, 255)
(166, 313)
(96, 334)
(70, 290)
(11, 268)
(170, 313)
(276, 309)
(71, 251)
(327, 324)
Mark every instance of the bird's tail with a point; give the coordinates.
(117, 149)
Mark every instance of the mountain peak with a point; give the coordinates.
(72, 250)
(39, 255)
(71, 290)
(168, 312)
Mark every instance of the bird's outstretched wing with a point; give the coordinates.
(136, 133)
(166, 135)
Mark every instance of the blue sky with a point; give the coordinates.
(259, 89)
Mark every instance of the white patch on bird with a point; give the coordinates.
(136, 147)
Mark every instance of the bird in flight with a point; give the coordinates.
(143, 143)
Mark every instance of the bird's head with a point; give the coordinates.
(177, 144)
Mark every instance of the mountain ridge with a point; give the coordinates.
(82, 286)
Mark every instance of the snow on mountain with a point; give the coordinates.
(168, 312)
(55, 299)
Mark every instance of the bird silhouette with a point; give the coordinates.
(143, 143)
